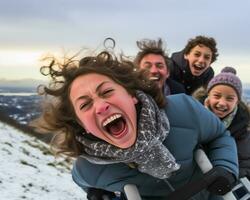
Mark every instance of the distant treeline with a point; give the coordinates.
(24, 128)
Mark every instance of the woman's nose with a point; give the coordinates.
(102, 107)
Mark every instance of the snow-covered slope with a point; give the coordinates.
(28, 171)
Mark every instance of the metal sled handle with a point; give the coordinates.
(205, 165)
(132, 192)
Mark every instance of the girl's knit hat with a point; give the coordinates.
(227, 77)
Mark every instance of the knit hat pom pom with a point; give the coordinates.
(227, 77)
(229, 70)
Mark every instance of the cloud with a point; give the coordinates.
(47, 24)
(66, 21)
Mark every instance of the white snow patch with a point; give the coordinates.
(30, 173)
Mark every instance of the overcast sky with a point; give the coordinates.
(30, 29)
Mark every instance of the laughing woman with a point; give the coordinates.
(118, 126)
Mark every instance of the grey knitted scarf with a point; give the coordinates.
(148, 152)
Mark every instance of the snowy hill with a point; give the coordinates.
(28, 170)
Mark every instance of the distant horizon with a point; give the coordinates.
(33, 83)
(45, 81)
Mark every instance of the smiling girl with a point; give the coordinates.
(224, 99)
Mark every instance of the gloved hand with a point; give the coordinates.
(223, 183)
(99, 194)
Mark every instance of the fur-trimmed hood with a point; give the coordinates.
(200, 94)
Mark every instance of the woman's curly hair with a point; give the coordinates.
(58, 115)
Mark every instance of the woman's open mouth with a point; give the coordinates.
(115, 125)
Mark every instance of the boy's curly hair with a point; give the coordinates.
(202, 40)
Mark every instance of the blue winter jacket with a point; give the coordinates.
(190, 126)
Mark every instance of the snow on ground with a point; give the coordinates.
(29, 172)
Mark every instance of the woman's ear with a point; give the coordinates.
(82, 125)
(135, 100)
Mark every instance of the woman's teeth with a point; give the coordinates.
(111, 119)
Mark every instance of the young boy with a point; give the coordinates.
(191, 66)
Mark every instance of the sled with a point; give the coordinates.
(240, 192)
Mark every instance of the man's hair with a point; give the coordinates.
(148, 46)
(205, 41)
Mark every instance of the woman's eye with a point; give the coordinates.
(84, 105)
(107, 92)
